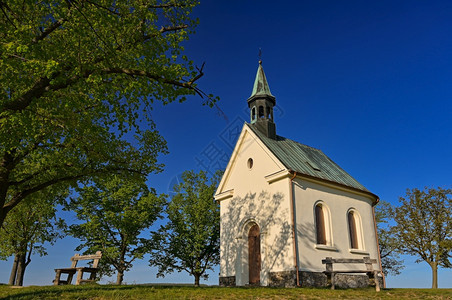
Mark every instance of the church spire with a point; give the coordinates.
(261, 103)
(261, 88)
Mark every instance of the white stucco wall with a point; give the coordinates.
(254, 200)
(338, 202)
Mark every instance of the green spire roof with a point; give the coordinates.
(261, 88)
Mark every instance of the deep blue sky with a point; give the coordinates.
(367, 82)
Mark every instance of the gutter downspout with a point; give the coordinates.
(292, 207)
(378, 246)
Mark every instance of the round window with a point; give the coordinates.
(250, 163)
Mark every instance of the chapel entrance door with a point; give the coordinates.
(254, 255)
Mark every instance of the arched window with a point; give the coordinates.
(320, 225)
(354, 230)
(323, 224)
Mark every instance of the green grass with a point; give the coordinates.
(185, 292)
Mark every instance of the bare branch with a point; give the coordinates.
(167, 5)
(19, 57)
(163, 30)
(172, 28)
(200, 74)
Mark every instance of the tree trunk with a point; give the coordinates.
(434, 266)
(119, 277)
(197, 276)
(25, 261)
(3, 213)
(20, 270)
(12, 277)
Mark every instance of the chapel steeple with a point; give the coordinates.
(261, 103)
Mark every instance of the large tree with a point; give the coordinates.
(27, 229)
(190, 241)
(77, 79)
(424, 227)
(391, 262)
(112, 215)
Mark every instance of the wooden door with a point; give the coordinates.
(254, 255)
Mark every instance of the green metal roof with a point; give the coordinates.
(307, 160)
(261, 87)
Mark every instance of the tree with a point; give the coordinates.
(390, 259)
(25, 231)
(424, 227)
(114, 213)
(78, 78)
(190, 241)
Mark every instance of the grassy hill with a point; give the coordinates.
(185, 292)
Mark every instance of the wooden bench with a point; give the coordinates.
(79, 270)
(365, 260)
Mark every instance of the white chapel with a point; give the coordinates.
(286, 206)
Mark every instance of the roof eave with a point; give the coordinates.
(375, 199)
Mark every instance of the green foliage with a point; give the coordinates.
(77, 80)
(190, 241)
(391, 262)
(424, 227)
(27, 228)
(32, 224)
(113, 214)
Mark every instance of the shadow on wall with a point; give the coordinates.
(273, 218)
(307, 231)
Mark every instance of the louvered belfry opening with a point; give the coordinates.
(254, 255)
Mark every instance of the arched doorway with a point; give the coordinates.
(254, 255)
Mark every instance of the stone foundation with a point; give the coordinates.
(227, 281)
(345, 281)
(282, 279)
(312, 279)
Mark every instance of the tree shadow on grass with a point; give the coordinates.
(89, 291)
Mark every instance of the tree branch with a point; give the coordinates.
(43, 85)
(23, 101)
(104, 7)
(133, 72)
(2, 6)
(167, 5)
(49, 30)
(172, 28)
(21, 195)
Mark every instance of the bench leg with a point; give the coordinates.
(69, 278)
(377, 281)
(92, 276)
(57, 277)
(79, 277)
(332, 281)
